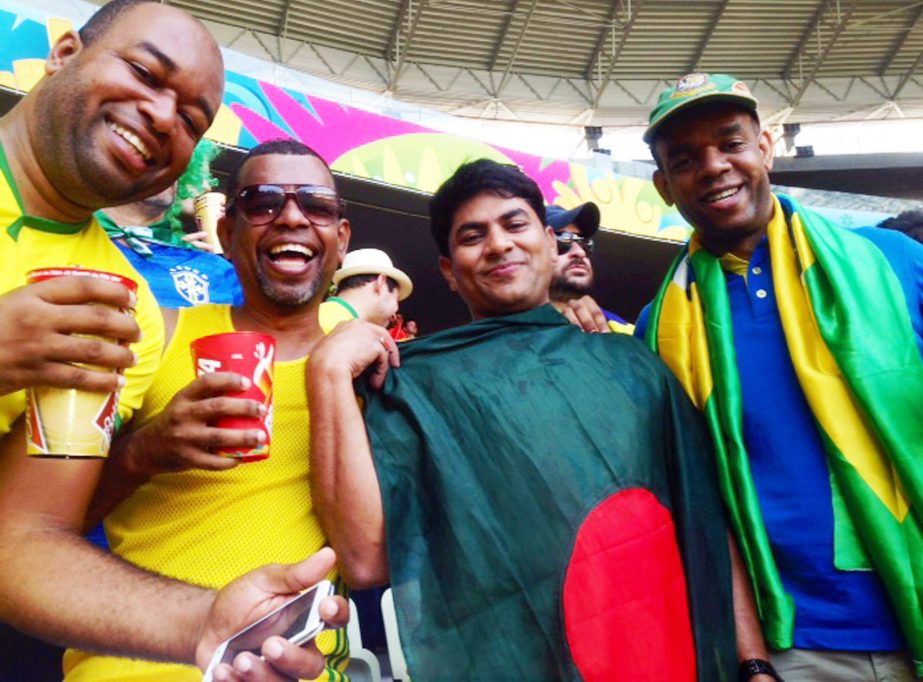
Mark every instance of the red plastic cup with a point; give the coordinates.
(252, 355)
(65, 422)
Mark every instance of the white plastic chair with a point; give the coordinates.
(395, 653)
(363, 664)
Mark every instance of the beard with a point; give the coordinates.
(288, 296)
(563, 288)
(160, 202)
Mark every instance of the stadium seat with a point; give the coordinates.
(395, 654)
(363, 664)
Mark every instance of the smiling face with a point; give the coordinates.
(714, 166)
(117, 121)
(288, 262)
(573, 273)
(500, 256)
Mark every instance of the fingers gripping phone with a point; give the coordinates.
(297, 620)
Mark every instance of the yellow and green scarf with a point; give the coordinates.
(854, 352)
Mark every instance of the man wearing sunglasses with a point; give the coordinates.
(172, 504)
(573, 272)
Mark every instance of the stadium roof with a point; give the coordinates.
(593, 62)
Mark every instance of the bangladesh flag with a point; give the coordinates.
(551, 509)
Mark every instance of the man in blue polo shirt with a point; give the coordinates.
(801, 341)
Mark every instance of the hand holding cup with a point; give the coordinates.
(252, 356)
(187, 434)
(68, 420)
(209, 209)
(38, 342)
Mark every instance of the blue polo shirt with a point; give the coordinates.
(838, 610)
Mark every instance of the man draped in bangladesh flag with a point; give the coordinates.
(542, 500)
(801, 342)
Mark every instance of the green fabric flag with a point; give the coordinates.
(551, 508)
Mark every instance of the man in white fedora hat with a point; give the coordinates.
(368, 287)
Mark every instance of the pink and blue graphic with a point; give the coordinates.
(366, 144)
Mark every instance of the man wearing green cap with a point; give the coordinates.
(801, 342)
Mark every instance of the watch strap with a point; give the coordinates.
(756, 666)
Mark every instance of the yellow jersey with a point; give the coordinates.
(333, 311)
(28, 243)
(210, 527)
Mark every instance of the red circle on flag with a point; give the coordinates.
(626, 613)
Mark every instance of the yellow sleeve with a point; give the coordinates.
(149, 350)
(330, 314)
(620, 328)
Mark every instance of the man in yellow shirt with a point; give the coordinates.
(122, 106)
(186, 512)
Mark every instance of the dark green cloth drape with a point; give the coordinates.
(493, 442)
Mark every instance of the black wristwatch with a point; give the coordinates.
(756, 666)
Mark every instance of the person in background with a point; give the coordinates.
(368, 287)
(908, 222)
(179, 267)
(573, 272)
(401, 329)
(801, 342)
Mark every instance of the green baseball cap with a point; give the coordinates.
(695, 88)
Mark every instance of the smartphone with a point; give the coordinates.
(298, 620)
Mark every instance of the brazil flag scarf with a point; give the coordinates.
(551, 508)
(854, 352)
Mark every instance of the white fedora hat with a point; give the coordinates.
(373, 262)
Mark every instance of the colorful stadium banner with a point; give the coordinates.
(359, 142)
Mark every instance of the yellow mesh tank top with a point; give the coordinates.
(210, 527)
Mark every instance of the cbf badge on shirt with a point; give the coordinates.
(191, 284)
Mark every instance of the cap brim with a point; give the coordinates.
(744, 101)
(404, 285)
(585, 217)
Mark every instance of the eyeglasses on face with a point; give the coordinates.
(261, 204)
(567, 239)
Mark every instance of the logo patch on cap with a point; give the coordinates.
(691, 81)
(692, 84)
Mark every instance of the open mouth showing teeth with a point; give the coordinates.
(290, 252)
(133, 140)
(722, 195)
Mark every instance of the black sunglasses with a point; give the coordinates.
(568, 239)
(260, 204)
